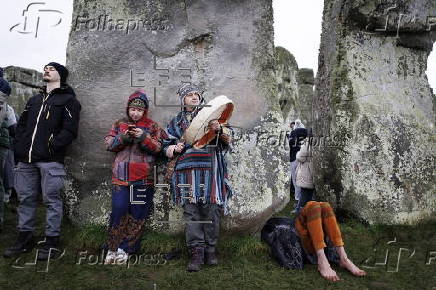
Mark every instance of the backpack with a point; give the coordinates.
(281, 236)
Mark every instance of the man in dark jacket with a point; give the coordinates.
(296, 137)
(48, 124)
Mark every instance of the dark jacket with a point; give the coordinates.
(286, 247)
(48, 124)
(297, 135)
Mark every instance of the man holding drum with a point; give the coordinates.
(199, 178)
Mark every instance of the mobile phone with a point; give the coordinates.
(130, 127)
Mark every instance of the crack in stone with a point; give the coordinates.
(184, 43)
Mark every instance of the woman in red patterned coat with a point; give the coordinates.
(136, 140)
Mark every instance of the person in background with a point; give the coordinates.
(296, 137)
(9, 162)
(288, 135)
(5, 142)
(304, 172)
(292, 125)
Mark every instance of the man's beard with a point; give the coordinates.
(45, 80)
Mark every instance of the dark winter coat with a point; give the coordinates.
(295, 141)
(285, 244)
(48, 124)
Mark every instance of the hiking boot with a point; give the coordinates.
(196, 260)
(23, 244)
(210, 257)
(49, 249)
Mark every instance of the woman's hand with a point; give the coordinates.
(179, 147)
(214, 125)
(174, 148)
(170, 151)
(137, 132)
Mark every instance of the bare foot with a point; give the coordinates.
(353, 269)
(327, 272)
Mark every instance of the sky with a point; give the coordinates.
(33, 43)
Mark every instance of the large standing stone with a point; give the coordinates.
(375, 109)
(287, 83)
(306, 81)
(294, 88)
(118, 46)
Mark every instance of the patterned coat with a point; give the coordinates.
(135, 159)
(199, 174)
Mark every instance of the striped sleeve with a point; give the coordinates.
(152, 142)
(113, 140)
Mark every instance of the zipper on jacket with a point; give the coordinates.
(48, 144)
(48, 113)
(36, 126)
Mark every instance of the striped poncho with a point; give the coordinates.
(200, 175)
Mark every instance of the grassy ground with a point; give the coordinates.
(244, 262)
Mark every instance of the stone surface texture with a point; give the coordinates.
(374, 110)
(295, 88)
(227, 46)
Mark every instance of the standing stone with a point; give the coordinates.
(287, 83)
(374, 109)
(306, 81)
(295, 88)
(116, 47)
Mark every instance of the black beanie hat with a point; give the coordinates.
(63, 72)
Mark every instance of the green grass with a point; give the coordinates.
(245, 262)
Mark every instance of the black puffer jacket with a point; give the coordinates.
(48, 124)
(297, 136)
